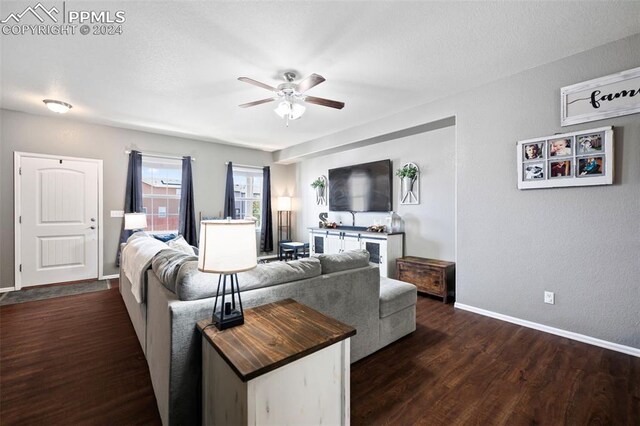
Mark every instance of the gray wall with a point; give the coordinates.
(429, 226)
(582, 243)
(64, 136)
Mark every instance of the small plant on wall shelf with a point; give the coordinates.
(410, 182)
(408, 170)
(321, 194)
(318, 183)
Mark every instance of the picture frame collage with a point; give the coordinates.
(570, 159)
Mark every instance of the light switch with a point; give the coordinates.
(117, 213)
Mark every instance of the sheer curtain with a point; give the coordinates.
(187, 225)
(133, 195)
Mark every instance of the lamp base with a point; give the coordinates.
(227, 320)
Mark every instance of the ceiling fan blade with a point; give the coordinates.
(257, 83)
(324, 102)
(254, 103)
(309, 82)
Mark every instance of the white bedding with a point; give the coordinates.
(136, 259)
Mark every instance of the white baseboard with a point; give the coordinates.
(552, 330)
(6, 289)
(109, 277)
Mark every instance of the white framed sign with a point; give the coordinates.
(581, 158)
(604, 97)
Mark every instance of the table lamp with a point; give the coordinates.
(226, 248)
(135, 221)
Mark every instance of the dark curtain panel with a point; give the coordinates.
(266, 235)
(187, 227)
(229, 196)
(133, 196)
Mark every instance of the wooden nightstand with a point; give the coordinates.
(431, 276)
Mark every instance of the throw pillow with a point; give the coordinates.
(179, 243)
(164, 237)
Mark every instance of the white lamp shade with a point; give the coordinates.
(227, 246)
(135, 220)
(284, 204)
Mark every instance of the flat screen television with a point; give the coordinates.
(361, 188)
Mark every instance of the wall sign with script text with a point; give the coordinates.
(604, 97)
(581, 158)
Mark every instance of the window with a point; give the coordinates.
(248, 193)
(161, 182)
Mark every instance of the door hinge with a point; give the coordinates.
(19, 219)
(20, 267)
(20, 171)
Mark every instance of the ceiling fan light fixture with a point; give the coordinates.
(296, 111)
(57, 106)
(290, 110)
(283, 109)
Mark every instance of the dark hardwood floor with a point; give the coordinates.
(73, 360)
(76, 360)
(460, 368)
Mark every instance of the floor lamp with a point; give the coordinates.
(284, 219)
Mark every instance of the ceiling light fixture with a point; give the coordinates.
(290, 109)
(291, 97)
(57, 106)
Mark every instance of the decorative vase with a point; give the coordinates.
(394, 223)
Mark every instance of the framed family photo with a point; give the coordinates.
(570, 159)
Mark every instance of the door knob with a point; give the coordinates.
(93, 219)
(92, 227)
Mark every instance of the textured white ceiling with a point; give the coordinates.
(174, 68)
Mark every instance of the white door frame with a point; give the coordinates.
(17, 235)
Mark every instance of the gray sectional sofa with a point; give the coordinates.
(344, 286)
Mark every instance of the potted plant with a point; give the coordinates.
(408, 174)
(319, 185)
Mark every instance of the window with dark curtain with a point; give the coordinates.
(133, 195)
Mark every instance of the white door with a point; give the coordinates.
(58, 208)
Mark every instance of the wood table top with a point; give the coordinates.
(428, 262)
(274, 335)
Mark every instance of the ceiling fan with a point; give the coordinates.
(291, 96)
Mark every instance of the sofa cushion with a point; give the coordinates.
(268, 274)
(342, 261)
(395, 296)
(179, 243)
(167, 263)
(192, 284)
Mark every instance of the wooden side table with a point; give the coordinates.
(431, 276)
(287, 364)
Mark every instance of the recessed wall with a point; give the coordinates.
(430, 225)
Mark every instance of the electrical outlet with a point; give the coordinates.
(549, 297)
